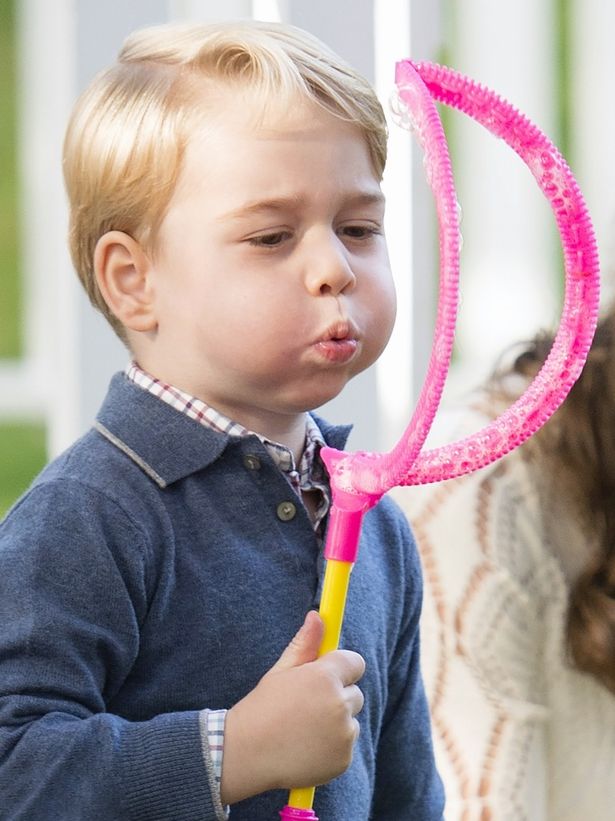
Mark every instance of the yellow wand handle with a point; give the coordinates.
(332, 606)
(340, 552)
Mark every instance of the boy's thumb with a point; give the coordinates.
(305, 645)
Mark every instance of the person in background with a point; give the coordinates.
(518, 625)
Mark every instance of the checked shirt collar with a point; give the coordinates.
(309, 475)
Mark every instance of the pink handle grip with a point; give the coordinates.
(294, 814)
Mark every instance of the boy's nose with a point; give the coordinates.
(329, 271)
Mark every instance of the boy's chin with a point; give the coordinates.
(315, 392)
(320, 398)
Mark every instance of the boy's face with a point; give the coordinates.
(271, 277)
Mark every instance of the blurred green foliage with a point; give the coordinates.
(22, 455)
(22, 445)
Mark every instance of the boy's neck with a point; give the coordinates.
(289, 431)
(286, 429)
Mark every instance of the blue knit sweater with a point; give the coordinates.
(147, 575)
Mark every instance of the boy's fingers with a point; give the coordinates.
(305, 644)
(346, 664)
(354, 698)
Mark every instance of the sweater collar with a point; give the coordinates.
(166, 443)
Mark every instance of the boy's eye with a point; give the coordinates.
(360, 231)
(270, 240)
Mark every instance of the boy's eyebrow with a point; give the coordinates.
(285, 203)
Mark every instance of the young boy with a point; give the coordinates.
(226, 217)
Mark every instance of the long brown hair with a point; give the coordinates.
(579, 442)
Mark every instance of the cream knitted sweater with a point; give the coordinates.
(518, 733)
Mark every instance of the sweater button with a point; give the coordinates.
(252, 462)
(286, 511)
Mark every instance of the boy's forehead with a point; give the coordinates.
(259, 155)
(249, 110)
(235, 117)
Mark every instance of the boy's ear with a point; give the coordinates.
(122, 270)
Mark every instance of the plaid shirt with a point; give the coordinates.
(309, 475)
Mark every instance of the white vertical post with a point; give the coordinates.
(209, 11)
(509, 281)
(394, 370)
(275, 11)
(592, 121)
(46, 70)
(406, 30)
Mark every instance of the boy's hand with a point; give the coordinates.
(297, 728)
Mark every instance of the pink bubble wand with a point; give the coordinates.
(359, 480)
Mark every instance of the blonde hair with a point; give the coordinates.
(126, 138)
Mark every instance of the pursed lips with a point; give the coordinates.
(339, 343)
